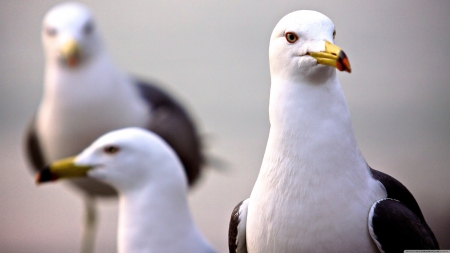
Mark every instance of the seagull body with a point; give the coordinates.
(79, 105)
(153, 209)
(336, 189)
(86, 95)
(315, 191)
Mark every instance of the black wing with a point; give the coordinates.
(395, 228)
(236, 233)
(174, 125)
(401, 215)
(33, 150)
(398, 191)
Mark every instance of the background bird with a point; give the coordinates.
(398, 96)
(315, 191)
(154, 213)
(86, 95)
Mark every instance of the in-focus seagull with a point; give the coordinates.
(154, 213)
(86, 95)
(315, 191)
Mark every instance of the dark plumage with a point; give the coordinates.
(397, 221)
(233, 230)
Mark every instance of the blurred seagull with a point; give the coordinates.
(154, 214)
(315, 192)
(86, 95)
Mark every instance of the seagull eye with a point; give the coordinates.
(291, 37)
(51, 32)
(110, 150)
(88, 28)
(334, 34)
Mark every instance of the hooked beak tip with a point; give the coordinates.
(45, 175)
(344, 63)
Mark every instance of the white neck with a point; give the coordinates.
(311, 124)
(96, 77)
(80, 104)
(157, 219)
(313, 178)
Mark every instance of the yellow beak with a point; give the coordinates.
(332, 56)
(65, 168)
(71, 52)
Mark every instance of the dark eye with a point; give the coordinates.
(111, 150)
(88, 28)
(291, 37)
(51, 32)
(334, 34)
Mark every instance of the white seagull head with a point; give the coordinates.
(69, 34)
(127, 159)
(302, 47)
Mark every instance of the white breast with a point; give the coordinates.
(314, 190)
(80, 105)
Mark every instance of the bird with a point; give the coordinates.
(315, 191)
(86, 95)
(154, 214)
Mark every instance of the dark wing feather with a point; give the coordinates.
(33, 150)
(174, 125)
(397, 228)
(398, 191)
(237, 238)
(233, 230)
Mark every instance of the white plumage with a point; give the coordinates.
(315, 192)
(154, 214)
(313, 183)
(86, 95)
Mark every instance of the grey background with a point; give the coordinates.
(213, 55)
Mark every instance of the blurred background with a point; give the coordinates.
(213, 56)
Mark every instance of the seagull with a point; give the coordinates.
(146, 172)
(315, 192)
(86, 95)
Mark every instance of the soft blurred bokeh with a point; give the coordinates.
(213, 55)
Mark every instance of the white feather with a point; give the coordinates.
(314, 190)
(154, 215)
(89, 100)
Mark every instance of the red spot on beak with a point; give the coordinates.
(46, 175)
(73, 61)
(347, 65)
(339, 66)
